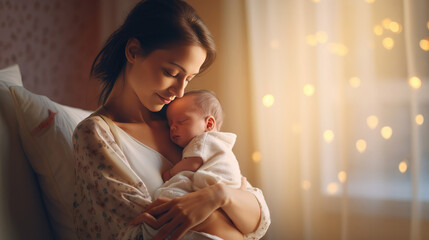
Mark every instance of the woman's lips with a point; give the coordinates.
(165, 100)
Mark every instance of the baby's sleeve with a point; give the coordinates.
(107, 192)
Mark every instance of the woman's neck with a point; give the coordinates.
(123, 105)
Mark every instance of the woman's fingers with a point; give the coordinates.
(167, 229)
(180, 232)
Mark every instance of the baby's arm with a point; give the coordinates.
(186, 164)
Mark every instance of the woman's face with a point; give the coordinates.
(163, 75)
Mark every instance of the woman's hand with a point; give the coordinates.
(181, 214)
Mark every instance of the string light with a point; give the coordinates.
(415, 82)
(403, 166)
(361, 145)
(311, 40)
(342, 176)
(386, 132)
(309, 90)
(378, 30)
(256, 157)
(332, 188)
(354, 82)
(386, 23)
(420, 119)
(388, 43)
(328, 135)
(306, 185)
(268, 100)
(372, 121)
(424, 44)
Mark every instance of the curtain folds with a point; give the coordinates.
(340, 109)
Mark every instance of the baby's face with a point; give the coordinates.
(185, 121)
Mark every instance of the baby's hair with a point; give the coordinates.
(209, 105)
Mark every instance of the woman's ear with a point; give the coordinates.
(132, 49)
(210, 123)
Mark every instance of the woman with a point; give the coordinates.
(143, 66)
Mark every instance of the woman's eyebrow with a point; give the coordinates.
(183, 69)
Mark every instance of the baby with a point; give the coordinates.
(207, 157)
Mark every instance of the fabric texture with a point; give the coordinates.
(219, 165)
(108, 192)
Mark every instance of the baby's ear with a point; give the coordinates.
(210, 123)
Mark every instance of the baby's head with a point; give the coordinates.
(196, 112)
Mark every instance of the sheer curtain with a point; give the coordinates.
(340, 99)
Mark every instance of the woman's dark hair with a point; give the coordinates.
(156, 24)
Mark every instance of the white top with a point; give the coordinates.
(148, 169)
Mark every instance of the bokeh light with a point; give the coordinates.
(386, 23)
(415, 82)
(256, 157)
(388, 43)
(420, 119)
(342, 176)
(332, 188)
(386, 132)
(403, 166)
(395, 27)
(372, 121)
(268, 100)
(339, 49)
(311, 40)
(309, 90)
(354, 82)
(361, 145)
(378, 30)
(424, 44)
(370, 1)
(328, 135)
(306, 184)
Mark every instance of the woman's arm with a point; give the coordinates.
(182, 214)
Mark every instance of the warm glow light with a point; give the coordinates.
(354, 82)
(316, 1)
(427, 24)
(312, 40)
(328, 135)
(370, 1)
(296, 128)
(268, 100)
(275, 44)
(420, 119)
(256, 157)
(403, 166)
(361, 145)
(339, 49)
(388, 43)
(386, 23)
(415, 82)
(372, 121)
(386, 132)
(309, 90)
(332, 188)
(322, 37)
(394, 27)
(424, 44)
(378, 30)
(342, 176)
(306, 185)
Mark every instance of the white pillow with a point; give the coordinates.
(46, 130)
(11, 75)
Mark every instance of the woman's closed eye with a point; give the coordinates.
(171, 74)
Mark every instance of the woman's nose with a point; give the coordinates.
(179, 88)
